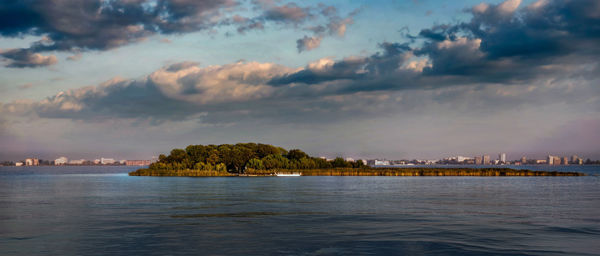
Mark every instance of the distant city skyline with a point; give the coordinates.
(361, 79)
(484, 159)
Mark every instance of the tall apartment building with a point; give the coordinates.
(502, 158)
(32, 161)
(553, 160)
(486, 159)
(574, 159)
(478, 160)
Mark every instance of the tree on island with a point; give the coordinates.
(242, 156)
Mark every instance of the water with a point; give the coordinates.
(101, 210)
(587, 169)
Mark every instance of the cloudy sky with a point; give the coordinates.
(363, 79)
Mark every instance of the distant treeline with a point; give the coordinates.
(241, 157)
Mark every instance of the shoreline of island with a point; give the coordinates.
(256, 159)
(407, 172)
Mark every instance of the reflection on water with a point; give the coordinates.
(86, 212)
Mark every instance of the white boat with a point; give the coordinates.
(287, 174)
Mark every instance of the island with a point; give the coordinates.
(256, 159)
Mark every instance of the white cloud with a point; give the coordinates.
(215, 84)
(509, 6)
(472, 44)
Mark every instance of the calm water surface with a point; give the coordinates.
(101, 210)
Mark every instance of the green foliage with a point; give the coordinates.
(203, 166)
(274, 161)
(306, 163)
(296, 154)
(177, 155)
(339, 162)
(255, 163)
(221, 168)
(240, 157)
(322, 163)
(358, 164)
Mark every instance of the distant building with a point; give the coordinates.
(541, 161)
(77, 162)
(456, 159)
(553, 160)
(523, 160)
(96, 161)
(398, 162)
(107, 160)
(373, 162)
(461, 159)
(32, 162)
(61, 160)
(486, 159)
(19, 164)
(478, 160)
(138, 162)
(502, 158)
(349, 159)
(574, 159)
(382, 162)
(431, 161)
(565, 161)
(363, 161)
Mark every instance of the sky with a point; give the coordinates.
(415, 79)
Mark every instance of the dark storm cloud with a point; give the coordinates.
(499, 44)
(376, 67)
(437, 33)
(74, 25)
(101, 25)
(543, 29)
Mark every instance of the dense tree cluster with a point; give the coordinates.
(237, 158)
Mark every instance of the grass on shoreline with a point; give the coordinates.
(359, 172)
